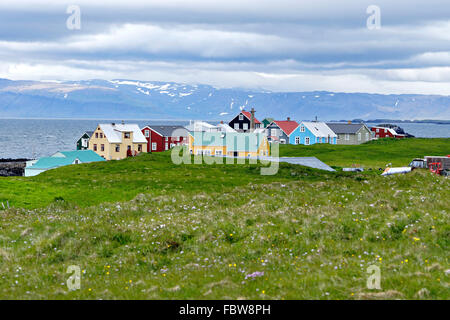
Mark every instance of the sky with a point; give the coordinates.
(282, 45)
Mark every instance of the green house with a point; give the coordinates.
(83, 142)
(267, 121)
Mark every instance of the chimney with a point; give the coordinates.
(123, 122)
(288, 119)
(316, 119)
(252, 119)
(221, 121)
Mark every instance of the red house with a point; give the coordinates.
(382, 132)
(162, 138)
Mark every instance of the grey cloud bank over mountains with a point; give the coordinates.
(269, 45)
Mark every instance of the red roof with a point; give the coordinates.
(249, 115)
(286, 126)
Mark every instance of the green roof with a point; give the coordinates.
(234, 141)
(64, 158)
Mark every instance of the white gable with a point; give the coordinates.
(319, 129)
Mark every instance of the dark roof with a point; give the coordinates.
(345, 127)
(167, 131)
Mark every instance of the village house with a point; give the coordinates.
(231, 144)
(351, 133)
(245, 121)
(267, 121)
(313, 132)
(83, 142)
(59, 159)
(382, 132)
(117, 141)
(162, 138)
(279, 131)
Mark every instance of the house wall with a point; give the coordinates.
(263, 149)
(33, 172)
(241, 123)
(302, 135)
(353, 138)
(109, 152)
(80, 144)
(280, 133)
(101, 139)
(160, 141)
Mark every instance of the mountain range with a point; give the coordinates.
(130, 99)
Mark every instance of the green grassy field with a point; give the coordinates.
(374, 154)
(144, 228)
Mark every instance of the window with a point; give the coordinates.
(302, 129)
(236, 126)
(385, 130)
(84, 143)
(96, 134)
(359, 136)
(126, 135)
(241, 117)
(378, 130)
(101, 135)
(367, 136)
(172, 145)
(347, 136)
(77, 161)
(218, 152)
(153, 146)
(95, 147)
(245, 126)
(117, 147)
(207, 152)
(307, 141)
(102, 147)
(318, 140)
(297, 140)
(140, 147)
(167, 146)
(147, 133)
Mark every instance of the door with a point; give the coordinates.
(307, 141)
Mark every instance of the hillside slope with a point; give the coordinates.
(144, 228)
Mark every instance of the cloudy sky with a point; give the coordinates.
(278, 45)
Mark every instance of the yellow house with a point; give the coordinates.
(232, 144)
(117, 141)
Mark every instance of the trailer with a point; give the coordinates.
(438, 165)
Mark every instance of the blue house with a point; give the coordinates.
(59, 159)
(309, 133)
